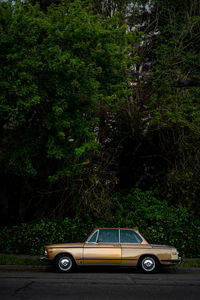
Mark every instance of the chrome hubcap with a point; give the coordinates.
(148, 264)
(65, 263)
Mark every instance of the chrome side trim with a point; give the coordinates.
(65, 247)
(106, 265)
(155, 246)
(106, 259)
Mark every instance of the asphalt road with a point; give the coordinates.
(99, 284)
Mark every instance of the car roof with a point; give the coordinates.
(116, 228)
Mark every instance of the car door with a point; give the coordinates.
(103, 248)
(131, 245)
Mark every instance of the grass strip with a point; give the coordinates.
(13, 260)
(190, 264)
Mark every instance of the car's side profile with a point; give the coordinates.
(112, 246)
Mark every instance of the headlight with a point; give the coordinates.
(175, 253)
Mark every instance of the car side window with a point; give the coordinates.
(129, 236)
(93, 239)
(108, 236)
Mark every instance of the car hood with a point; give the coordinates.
(162, 246)
(66, 245)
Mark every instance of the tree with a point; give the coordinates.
(57, 70)
(157, 127)
(164, 118)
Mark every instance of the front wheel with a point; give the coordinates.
(64, 263)
(148, 264)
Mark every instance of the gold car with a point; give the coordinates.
(106, 246)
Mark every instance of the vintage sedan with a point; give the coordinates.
(105, 246)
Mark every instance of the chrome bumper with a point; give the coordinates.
(44, 259)
(173, 261)
(180, 260)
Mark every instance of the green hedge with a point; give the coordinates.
(157, 221)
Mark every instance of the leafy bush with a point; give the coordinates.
(31, 238)
(157, 221)
(15, 260)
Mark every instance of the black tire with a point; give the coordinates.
(64, 263)
(148, 264)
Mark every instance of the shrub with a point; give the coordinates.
(157, 221)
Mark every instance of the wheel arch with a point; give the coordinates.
(62, 254)
(148, 255)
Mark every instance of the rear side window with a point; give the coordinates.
(129, 236)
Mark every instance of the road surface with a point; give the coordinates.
(99, 284)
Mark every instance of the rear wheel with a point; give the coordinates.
(64, 263)
(148, 264)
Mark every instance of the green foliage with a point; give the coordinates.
(31, 238)
(175, 109)
(156, 220)
(74, 129)
(57, 70)
(14, 260)
(191, 264)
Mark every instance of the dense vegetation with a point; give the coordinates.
(99, 121)
(159, 223)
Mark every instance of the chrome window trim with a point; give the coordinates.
(106, 243)
(97, 236)
(119, 231)
(131, 243)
